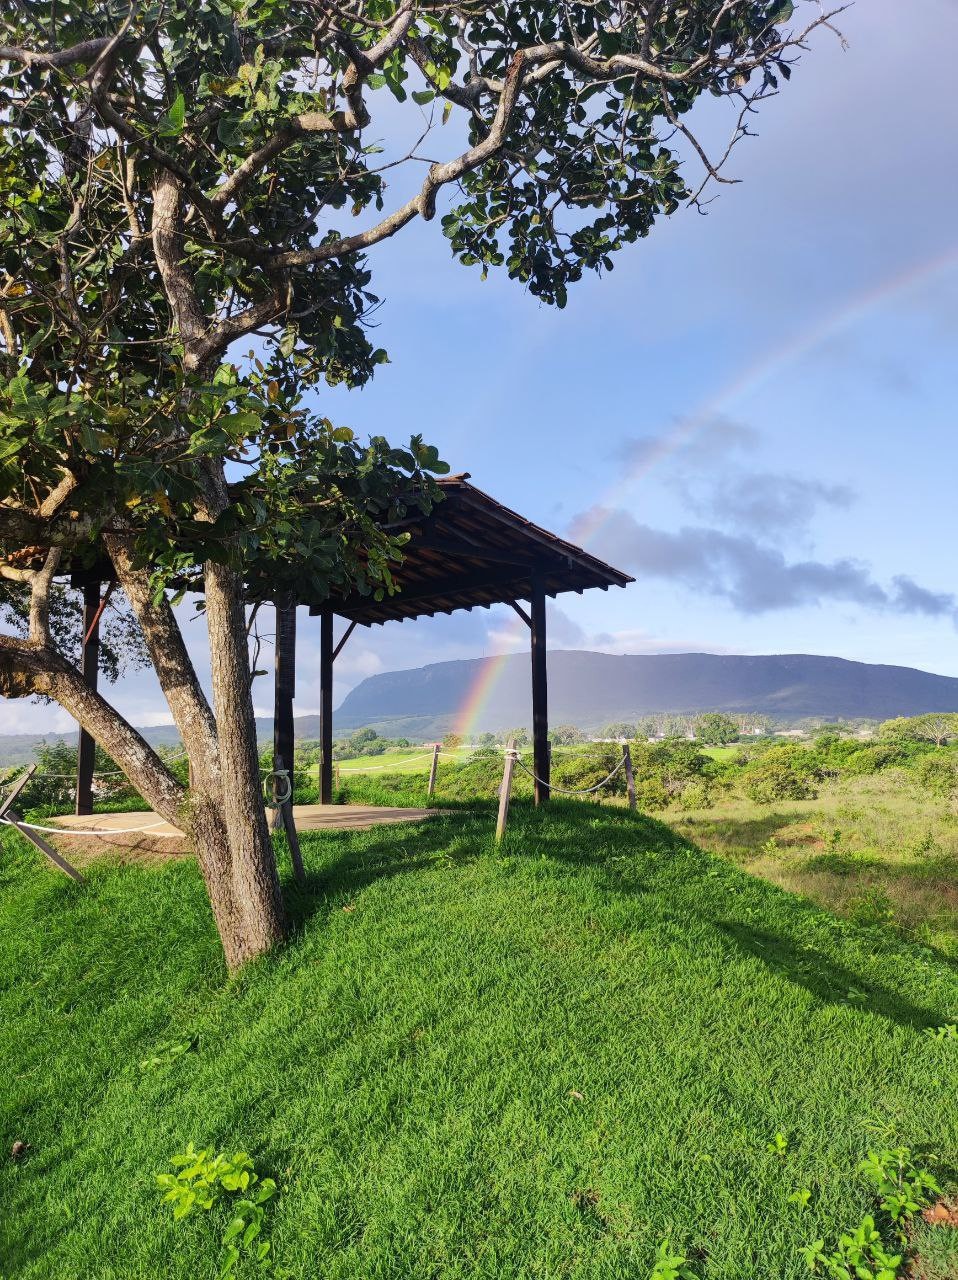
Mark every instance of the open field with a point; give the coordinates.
(876, 848)
(533, 1063)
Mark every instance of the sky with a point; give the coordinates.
(754, 413)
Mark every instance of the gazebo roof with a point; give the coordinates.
(471, 550)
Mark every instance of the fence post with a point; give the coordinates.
(505, 790)
(284, 818)
(629, 775)
(432, 769)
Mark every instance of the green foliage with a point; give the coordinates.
(168, 1052)
(936, 727)
(210, 1180)
(716, 729)
(566, 735)
(859, 1255)
(780, 773)
(871, 908)
(902, 1188)
(585, 768)
(669, 1265)
(938, 773)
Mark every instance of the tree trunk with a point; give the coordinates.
(254, 878)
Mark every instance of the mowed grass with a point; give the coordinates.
(537, 1062)
(877, 848)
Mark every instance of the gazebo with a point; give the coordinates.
(469, 551)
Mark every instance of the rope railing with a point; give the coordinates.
(570, 791)
(102, 831)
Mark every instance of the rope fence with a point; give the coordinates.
(278, 785)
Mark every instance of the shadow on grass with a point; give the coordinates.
(828, 981)
(683, 878)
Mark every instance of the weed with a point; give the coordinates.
(902, 1188)
(871, 908)
(670, 1266)
(168, 1052)
(205, 1180)
(779, 1145)
(949, 1031)
(859, 1255)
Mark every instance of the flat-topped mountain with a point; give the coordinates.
(591, 689)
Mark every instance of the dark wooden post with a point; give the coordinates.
(284, 685)
(326, 707)
(90, 664)
(430, 790)
(629, 775)
(540, 692)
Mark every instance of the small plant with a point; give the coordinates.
(204, 1180)
(801, 1197)
(670, 1266)
(871, 908)
(168, 1052)
(771, 847)
(860, 1255)
(947, 1032)
(902, 1189)
(779, 1145)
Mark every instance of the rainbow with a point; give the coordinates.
(755, 376)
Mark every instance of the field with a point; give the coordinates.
(878, 849)
(540, 1061)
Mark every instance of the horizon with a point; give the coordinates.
(739, 456)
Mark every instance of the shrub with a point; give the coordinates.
(583, 769)
(938, 773)
(783, 773)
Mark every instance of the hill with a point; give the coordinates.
(537, 1064)
(590, 689)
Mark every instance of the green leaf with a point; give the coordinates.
(171, 124)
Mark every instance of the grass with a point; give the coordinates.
(876, 847)
(535, 1063)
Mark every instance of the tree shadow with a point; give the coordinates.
(639, 856)
(822, 977)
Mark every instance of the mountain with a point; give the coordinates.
(592, 689)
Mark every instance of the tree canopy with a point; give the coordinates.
(188, 195)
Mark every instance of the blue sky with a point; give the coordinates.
(810, 511)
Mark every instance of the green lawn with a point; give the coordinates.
(537, 1063)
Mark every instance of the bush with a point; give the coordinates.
(782, 773)
(697, 795)
(938, 773)
(587, 768)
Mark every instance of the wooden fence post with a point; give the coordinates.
(432, 770)
(629, 775)
(505, 790)
(34, 837)
(285, 815)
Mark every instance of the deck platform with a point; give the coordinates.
(309, 817)
(145, 838)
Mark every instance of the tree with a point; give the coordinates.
(452, 741)
(176, 180)
(716, 728)
(565, 735)
(618, 730)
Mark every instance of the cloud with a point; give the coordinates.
(770, 504)
(706, 444)
(909, 597)
(753, 576)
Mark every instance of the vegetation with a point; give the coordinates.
(567, 1057)
(178, 179)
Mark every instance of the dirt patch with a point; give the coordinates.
(122, 850)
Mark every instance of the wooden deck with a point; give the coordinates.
(309, 817)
